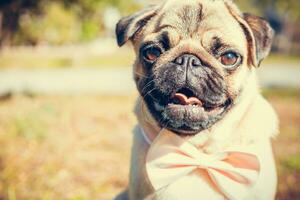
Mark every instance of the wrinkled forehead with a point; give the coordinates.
(201, 19)
(184, 16)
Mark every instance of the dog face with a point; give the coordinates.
(193, 59)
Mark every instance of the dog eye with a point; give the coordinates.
(230, 59)
(151, 54)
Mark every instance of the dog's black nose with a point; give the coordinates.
(188, 60)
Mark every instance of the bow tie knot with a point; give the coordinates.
(170, 158)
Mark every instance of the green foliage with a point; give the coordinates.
(290, 7)
(292, 163)
(56, 26)
(68, 21)
(89, 30)
(284, 7)
(59, 24)
(56, 22)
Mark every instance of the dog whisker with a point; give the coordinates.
(147, 85)
(149, 94)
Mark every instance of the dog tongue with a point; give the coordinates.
(184, 100)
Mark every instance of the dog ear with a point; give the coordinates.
(263, 37)
(259, 34)
(129, 26)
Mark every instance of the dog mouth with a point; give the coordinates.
(186, 113)
(185, 97)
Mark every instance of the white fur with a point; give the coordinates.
(251, 121)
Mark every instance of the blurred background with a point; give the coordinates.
(67, 95)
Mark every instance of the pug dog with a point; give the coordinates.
(195, 71)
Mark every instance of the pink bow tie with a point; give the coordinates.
(171, 158)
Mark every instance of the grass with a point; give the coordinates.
(285, 59)
(59, 57)
(33, 62)
(286, 145)
(287, 93)
(82, 56)
(82, 154)
(78, 147)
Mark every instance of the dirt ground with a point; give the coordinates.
(78, 147)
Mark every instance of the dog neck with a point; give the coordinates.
(147, 123)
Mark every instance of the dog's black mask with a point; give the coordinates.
(185, 95)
